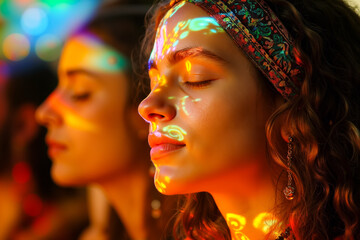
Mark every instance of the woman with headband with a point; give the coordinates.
(254, 116)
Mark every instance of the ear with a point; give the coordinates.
(24, 126)
(139, 126)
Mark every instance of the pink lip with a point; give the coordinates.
(162, 145)
(55, 148)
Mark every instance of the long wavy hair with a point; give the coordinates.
(324, 121)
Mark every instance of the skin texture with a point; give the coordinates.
(206, 97)
(80, 115)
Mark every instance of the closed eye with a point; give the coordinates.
(81, 97)
(200, 84)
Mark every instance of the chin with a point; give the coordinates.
(172, 187)
(64, 178)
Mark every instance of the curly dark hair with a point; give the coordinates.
(324, 121)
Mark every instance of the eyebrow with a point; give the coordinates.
(184, 53)
(73, 72)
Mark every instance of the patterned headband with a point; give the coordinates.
(255, 28)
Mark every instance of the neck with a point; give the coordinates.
(248, 213)
(128, 194)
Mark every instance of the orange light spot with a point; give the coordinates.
(167, 179)
(153, 127)
(264, 221)
(188, 65)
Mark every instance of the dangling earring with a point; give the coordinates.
(289, 190)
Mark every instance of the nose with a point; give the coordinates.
(156, 107)
(46, 113)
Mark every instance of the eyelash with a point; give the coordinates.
(200, 84)
(81, 97)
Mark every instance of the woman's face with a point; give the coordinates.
(91, 127)
(207, 110)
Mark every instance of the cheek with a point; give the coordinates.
(226, 132)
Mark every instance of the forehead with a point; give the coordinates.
(187, 26)
(86, 51)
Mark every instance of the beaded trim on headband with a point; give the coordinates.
(260, 34)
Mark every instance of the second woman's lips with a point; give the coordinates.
(54, 148)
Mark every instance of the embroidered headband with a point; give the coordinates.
(255, 28)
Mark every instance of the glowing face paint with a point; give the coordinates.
(236, 223)
(174, 132)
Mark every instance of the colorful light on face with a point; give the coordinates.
(100, 56)
(16, 47)
(34, 21)
(168, 41)
(209, 94)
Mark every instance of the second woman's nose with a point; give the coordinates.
(46, 113)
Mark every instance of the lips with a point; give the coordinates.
(162, 145)
(55, 148)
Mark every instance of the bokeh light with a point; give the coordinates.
(21, 172)
(48, 47)
(34, 21)
(16, 47)
(32, 205)
(43, 26)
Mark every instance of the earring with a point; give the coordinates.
(289, 190)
